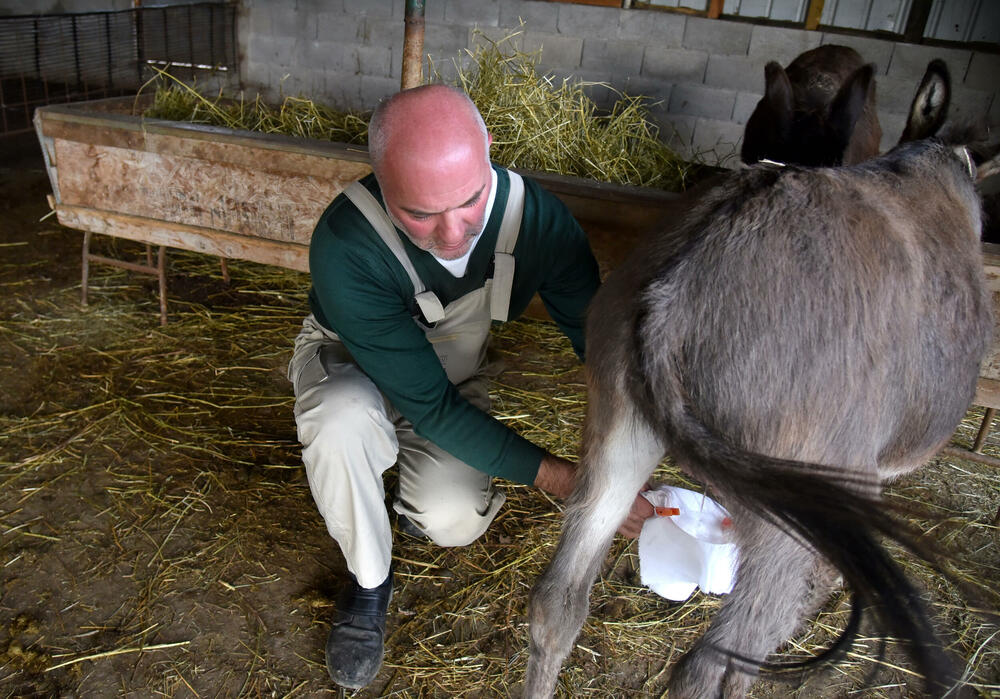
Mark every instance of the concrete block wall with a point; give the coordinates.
(703, 76)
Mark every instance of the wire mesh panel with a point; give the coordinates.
(46, 59)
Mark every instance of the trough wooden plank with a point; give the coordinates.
(186, 237)
(192, 191)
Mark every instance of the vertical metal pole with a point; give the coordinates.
(140, 42)
(413, 45)
(190, 41)
(85, 268)
(161, 267)
(211, 35)
(76, 54)
(107, 37)
(984, 429)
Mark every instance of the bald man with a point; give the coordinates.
(410, 268)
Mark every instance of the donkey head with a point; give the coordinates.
(820, 111)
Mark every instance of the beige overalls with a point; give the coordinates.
(351, 434)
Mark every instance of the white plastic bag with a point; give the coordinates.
(690, 549)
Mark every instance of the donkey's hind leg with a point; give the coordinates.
(779, 582)
(619, 452)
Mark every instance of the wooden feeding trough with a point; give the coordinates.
(236, 194)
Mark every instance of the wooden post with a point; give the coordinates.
(813, 14)
(714, 9)
(413, 45)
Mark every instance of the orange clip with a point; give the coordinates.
(666, 511)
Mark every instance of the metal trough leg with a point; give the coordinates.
(984, 429)
(159, 271)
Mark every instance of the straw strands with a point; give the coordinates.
(155, 503)
(537, 123)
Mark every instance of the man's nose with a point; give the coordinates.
(451, 229)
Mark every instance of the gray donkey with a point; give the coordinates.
(805, 335)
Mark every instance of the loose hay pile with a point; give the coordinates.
(159, 537)
(537, 124)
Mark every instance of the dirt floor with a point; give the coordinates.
(159, 539)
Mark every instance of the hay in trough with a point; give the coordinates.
(537, 123)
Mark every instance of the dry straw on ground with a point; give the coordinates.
(537, 123)
(159, 537)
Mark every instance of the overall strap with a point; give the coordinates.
(503, 258)
(369, 207)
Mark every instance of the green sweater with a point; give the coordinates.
(360, 291)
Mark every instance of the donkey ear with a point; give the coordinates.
(930, 104)
(778, 92)
(849, 103)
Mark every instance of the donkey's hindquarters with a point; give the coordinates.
(806, 334)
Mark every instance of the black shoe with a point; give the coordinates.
(355, 646)
(407, 526)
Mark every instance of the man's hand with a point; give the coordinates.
(640, 512)
(558, 476)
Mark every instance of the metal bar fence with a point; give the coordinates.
(47, 59)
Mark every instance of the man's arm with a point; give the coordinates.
(558, 477)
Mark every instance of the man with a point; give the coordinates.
(410, 267)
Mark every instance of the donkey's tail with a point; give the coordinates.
(837, 514)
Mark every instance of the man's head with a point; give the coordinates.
(430, 152)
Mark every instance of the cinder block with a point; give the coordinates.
(508, 39)
(717, 142)
(372, 8)
(984, 72)
(443, 68)
(622, 57)
(373, 90)
(746, 102)
(675, 65)
(342, 91)
(877, 51)
(485, 13)
(656, 92)
(337, 26)
(735, 72)
(330, 56)
(375, 61)
(286, 22)
(892, 124)
(273, 50)
(969, 106)
(314, 7)
(717, 36)
(661, 29)
(909, 61)
(677, 131)
(444, 41)
(558, 52)
(378, 31)
(701, 101)
(894, 95)
(781, 44)
(587, 20)
(537, 16)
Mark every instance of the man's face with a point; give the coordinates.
(441, 206)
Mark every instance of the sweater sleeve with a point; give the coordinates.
(361, 293)
(556, 261)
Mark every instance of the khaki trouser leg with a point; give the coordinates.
(349, 440)
(447, 499)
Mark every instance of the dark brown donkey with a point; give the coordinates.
(803, 336)
(820, 110)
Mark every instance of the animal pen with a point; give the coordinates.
(208, 516)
